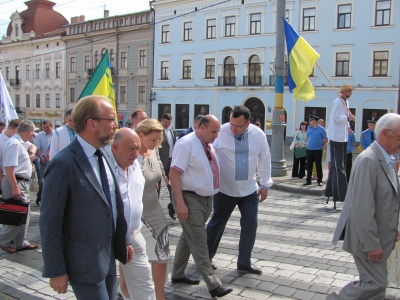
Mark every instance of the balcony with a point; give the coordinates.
(90, 72)
(226, 81)
(252, 81)
(15, 82)
(18, 110)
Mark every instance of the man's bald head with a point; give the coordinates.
(126, 147)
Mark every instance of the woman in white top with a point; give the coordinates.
(301, 138)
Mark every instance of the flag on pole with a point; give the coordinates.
(302, 58)
(101, 81)
(7, 108)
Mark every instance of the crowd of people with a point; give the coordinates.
(99, 195)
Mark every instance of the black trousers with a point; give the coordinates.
(314, 156)
(299, 163)
(349, 165)
(337, 172)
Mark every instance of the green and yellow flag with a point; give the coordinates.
(101, 81)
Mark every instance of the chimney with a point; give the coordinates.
(106, 13)
(77, 19)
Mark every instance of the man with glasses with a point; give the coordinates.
(82, 223)
(241, 149)
(369, 218)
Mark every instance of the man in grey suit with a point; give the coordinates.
(369, 218)
(82, 222)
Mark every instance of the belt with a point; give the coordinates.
(191, 192)
(20, 178)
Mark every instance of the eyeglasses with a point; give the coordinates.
(104, 119)
(237, 126)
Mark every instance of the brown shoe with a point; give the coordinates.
(8, 249)
(29, 247)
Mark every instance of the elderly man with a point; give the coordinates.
(241, 148)
(82, 221)
(17, 168)
(62, 136)
(369, 218)
(194, 158)
(123, 154)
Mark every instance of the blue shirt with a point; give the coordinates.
(350, 141)
(366, 138)
(316, 137)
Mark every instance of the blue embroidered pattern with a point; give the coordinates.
(242, 157)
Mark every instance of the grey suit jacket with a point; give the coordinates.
(370, 213)
(76, 221)
(164, 150)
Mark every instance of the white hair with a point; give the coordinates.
(388, 121)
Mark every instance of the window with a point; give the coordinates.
(165, 70)
(210, 68)
(165, 34)
(342, 64)
(37, 72)
(72, 64)
(344, 16)
(27, 72)
(211, 28)
(382, 13)
(254, 71)
(7, 73)
(27, 101)
(17, 77)
(58, 69)
(381, 63)
(87, 62)
(47, 100)
(309, 19)
(201, 109)
(187, 69)
(72, 94)
(141, 94)
(17, 103)
(187, 31)
(162, 109)
(37, 100)
(58, 100)
(47, 71)
(230, 23)
(229, 78)
(255, 23)
(96, 58)
(122, 94)
(124, 60)
(182, 116)
(142, 58)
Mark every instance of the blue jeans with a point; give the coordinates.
(223, 208)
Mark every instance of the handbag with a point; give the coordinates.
(293, 144)
(13, 212)
(300, 152)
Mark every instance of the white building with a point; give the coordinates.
(212, 55)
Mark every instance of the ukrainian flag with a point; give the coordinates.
(101, 81)
(302, 58)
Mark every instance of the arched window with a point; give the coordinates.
(254, 71)
(226, 113)
(229, 72)
(96, 58)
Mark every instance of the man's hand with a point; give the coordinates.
(262, 194)
(352, 117)
(16, 192)
(181, 211)
(375, 255)
(59, 284)
(129, 252)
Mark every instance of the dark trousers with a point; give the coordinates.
(314, 156)
(299, 163)
(40, 180)
(337, 172)
(349, 165)
(223, 208)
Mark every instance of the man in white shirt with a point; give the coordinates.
(62, 136)
(4, 136)
(123, 154)
(241, 148)
(17, 168)
(338, 135)
(194, 180)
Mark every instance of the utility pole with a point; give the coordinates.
(278, 124)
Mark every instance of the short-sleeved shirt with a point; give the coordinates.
(316, 137)
(16, 155)
(42, 142)
(367, 138)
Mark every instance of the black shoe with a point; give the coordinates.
(307, 183)
(220, 291)
(213, 265)
(171, 211)
(186, 280)
(319, 183)
(251, 269)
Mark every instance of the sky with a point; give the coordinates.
(91, 9)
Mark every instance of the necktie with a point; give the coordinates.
(104, 179)
(394, 175)
(372, 136)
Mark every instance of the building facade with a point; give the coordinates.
(212, 55)
(129, 40)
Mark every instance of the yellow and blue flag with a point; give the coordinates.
(302, 58)
(101, 81)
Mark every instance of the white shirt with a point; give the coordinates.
(94, 162)
(338, 121)
(190, 159)
(235, 181)
(60, 139)
(170, 141)
(42, 142)
(3, 140)
(16, 155)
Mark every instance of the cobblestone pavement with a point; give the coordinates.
(292, 248)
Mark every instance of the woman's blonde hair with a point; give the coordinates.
(149, 126)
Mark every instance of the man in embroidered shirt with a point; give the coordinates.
(337, 134)
(62, 136)
(241, 149)
(194, 158)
